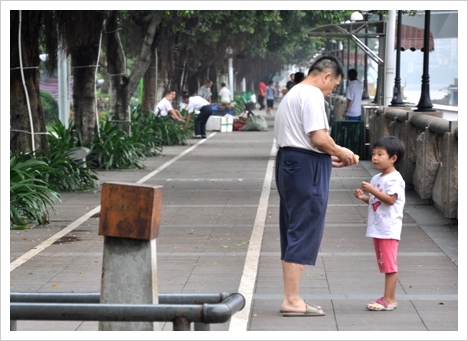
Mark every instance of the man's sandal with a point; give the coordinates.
(311, 310)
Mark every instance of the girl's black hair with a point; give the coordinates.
(393, 146)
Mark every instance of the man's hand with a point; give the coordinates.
(347, 157)
(336, 162)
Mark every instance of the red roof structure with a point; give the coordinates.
(412, 38)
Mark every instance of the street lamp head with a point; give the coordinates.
(356, 16)
(366, 13)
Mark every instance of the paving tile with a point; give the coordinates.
(209, 208)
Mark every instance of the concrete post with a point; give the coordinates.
(231, 76)
(129, 222)
(63, 87)
(339, 106)
(389, 60)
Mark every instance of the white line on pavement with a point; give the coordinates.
(240, 320)
(48, 242)
(170, 162)
(45, 244)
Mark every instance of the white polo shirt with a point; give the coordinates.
(164, 105)
(301, 111)
(195, 103)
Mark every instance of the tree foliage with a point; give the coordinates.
(191, 46)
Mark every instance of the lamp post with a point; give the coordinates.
(365, 94)
(356, 16)
(396, 100)
(425, 103)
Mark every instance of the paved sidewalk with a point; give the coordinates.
(220, 211)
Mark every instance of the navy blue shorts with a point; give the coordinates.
(303, 183)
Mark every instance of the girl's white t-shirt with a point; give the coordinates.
(385, 221)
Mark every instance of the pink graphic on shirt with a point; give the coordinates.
(376, 205)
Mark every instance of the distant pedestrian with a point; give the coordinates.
(270, 96)
(353, 97)
(386, 201)
(290, 82)
(261, 94)
(195, 103)
(298, 77)
(205, 90)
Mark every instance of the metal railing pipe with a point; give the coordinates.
(185, 308)
(37, 297)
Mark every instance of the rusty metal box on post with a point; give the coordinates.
(130, 210)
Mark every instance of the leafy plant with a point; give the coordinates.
(162, 131)
(112, 149)
(143, 131)
(68, 174)
(171, 132)
(30, 195)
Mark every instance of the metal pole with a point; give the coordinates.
(365, 94)
(396, 100)
(356, 57)
(425, 103)
(347, 64)
(181, 324)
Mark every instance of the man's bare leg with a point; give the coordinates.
(292, 301)
(292, 274)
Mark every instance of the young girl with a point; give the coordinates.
(386, 201)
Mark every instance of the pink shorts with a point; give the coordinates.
(386, 253)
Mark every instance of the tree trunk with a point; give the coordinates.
(121, 87)
(149, 87)
(84, 66)
(20, 137)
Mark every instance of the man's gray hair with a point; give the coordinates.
(327, 63)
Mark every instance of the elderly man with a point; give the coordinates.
(304, 160)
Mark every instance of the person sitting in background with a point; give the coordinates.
(164, 107)
(225, 95)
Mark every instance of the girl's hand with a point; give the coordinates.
(367, 187)
(359, 194)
